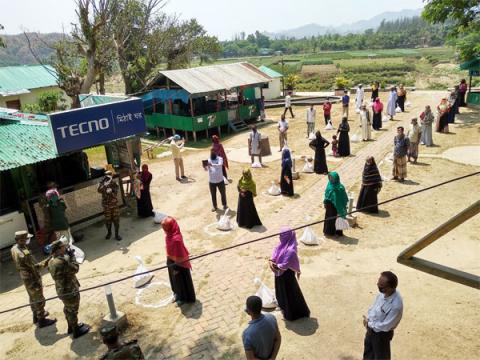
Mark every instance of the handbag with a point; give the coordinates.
(341, 224)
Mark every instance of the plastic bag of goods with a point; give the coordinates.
(309, 237)
(341, 224)
(256, 164)
(274, 189)
(408, 104)
(355, 138)
(329, 125)
(308, 167)
(312, 136)
(225, 223)
(225, 181)
(385, 118)
(357, 110)
(397, 109)
(266, 294)
(79, 254)
(141, 279)
(158, 217)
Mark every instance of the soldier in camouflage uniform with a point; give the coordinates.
(63, 267)
(117, 350)
(30, 273)
(109, 190)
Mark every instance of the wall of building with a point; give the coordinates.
(32, 96)
(274, 90)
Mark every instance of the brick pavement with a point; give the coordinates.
(211, 328)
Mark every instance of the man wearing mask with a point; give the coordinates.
(29, 271)
(215, 179)
(383, 317)
(109, 189)
(63, 267)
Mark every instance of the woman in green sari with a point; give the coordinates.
(335, 202)
(247, 216)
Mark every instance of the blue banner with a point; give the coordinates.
(82, 128)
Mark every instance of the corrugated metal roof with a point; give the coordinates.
(207, 79)
(270, 72)
(19, 79)
(24, 142)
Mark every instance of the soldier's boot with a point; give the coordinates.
(109, 231)
(35, 318)
(46, 322)
(70, 327)
(80, 330)
(117, 236)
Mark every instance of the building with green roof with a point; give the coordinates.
(21, 85)
(274, 89)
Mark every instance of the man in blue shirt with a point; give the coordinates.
(261, 339)
(345, 103)
(383, 317)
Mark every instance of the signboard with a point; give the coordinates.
(474, 72)
(81, 128)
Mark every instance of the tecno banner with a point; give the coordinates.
(81, 128)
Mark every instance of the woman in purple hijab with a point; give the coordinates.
(285, 264)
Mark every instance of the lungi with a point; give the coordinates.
(400, 167)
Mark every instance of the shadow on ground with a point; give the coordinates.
(303, 327)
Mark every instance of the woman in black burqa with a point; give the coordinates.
(371, 185)
(319, 145)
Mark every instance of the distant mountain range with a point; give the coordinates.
(356, 27)
(18, 53)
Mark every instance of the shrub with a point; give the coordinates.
(317, 62)
(342, 82)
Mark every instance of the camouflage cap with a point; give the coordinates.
(109, 331)
(57, 244)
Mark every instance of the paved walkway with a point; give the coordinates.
(210, 327)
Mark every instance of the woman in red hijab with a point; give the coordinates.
(218, 149)
(144, 203)
(178, 264)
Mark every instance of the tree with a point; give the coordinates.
(463, 17)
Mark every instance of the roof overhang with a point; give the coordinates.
(14, 92)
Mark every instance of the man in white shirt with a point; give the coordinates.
(254, 144)
(359, 97)
(215, 179)
(383, 317)
(288, 104)
(282, 131)
(311, 114)
(176, 146)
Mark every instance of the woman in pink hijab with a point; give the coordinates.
(377, 114)
(217, 147)
(285, 265)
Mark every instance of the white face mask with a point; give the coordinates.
(28, 241)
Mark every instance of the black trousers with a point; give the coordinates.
(326, 117)
(291, 111)
(213, 192)
(377, 345)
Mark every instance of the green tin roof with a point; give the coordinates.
(24, 142)
(270, 72)
(473, 64)
(20, 79)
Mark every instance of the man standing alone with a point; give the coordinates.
(176, 146)
(345, 103)
(311, 114)
(30, 274)
(327, 108)
(261, 339)
(215, 179)
(109, 189)
(254, 145)
(383, 317)
(288, 104)
(282, 131)
(400, 150)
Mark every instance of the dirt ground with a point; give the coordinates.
(339, 277)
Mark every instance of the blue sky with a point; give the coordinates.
(222, 18)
